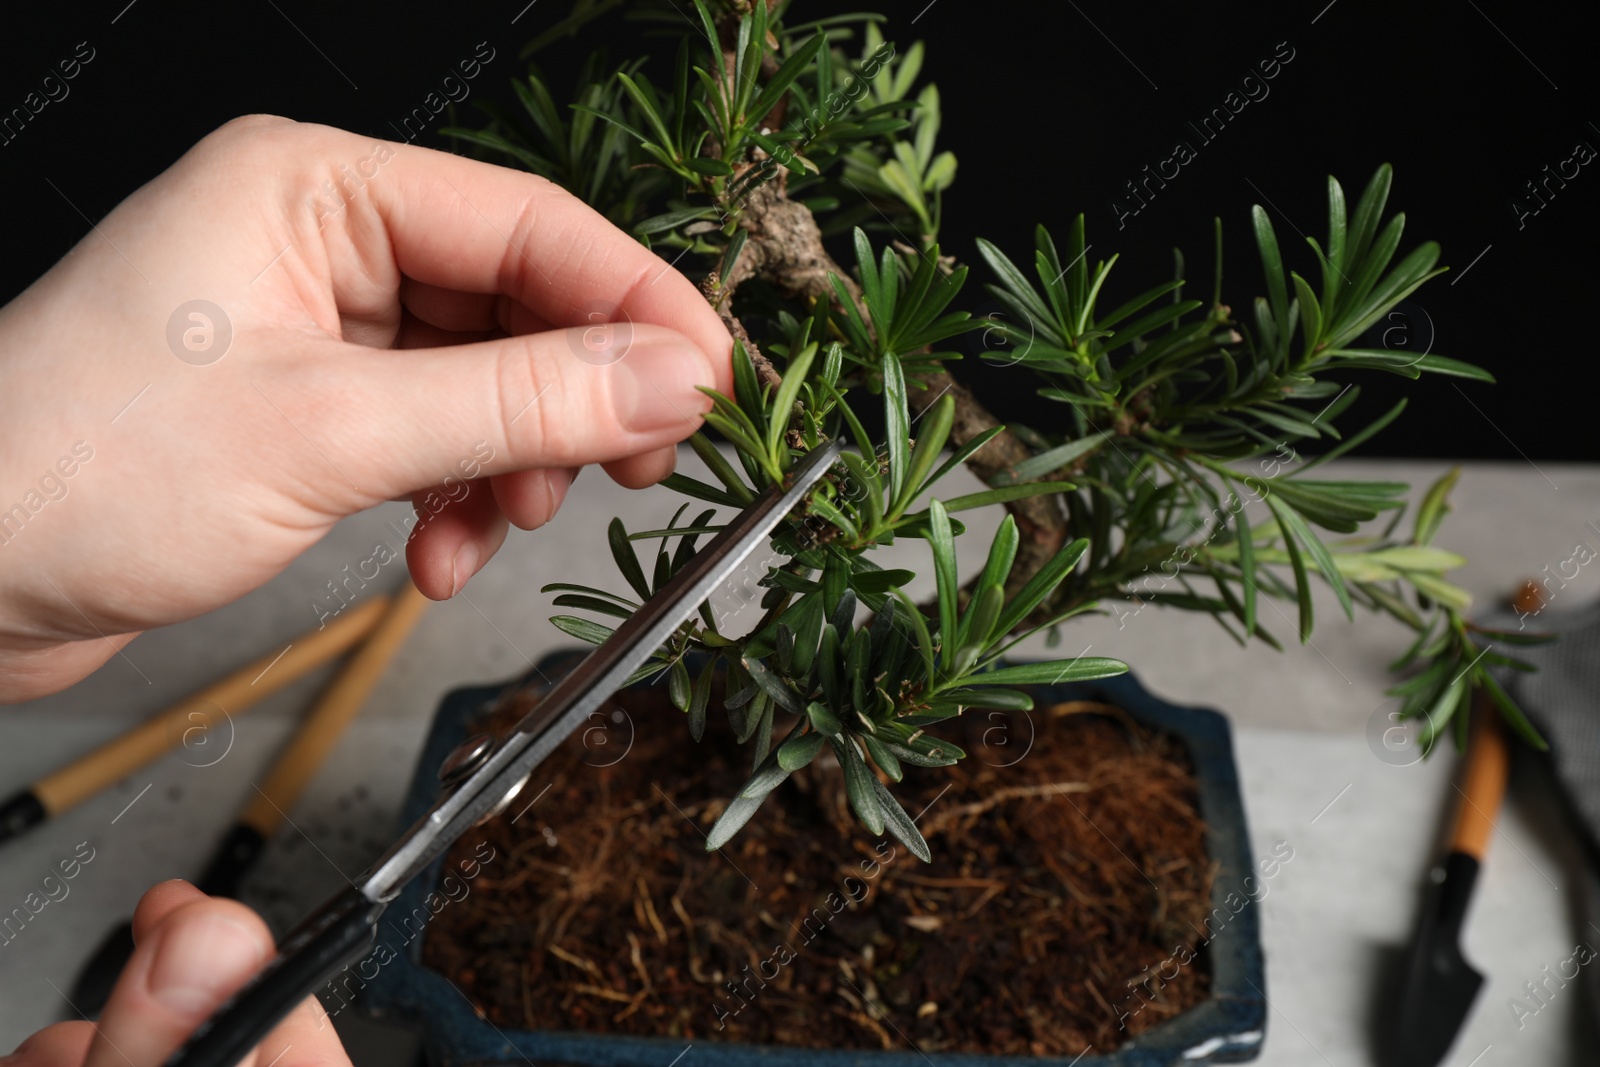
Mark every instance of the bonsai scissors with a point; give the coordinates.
(480, 780)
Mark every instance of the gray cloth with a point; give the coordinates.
(1562, 698)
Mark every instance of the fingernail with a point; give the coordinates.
(464, 566)
(655, 388)
(201, 961)
(556, 484)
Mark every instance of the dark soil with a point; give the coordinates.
(1064, 873)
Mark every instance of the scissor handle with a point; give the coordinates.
(334, 936)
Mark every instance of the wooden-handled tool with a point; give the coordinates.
(322, 728)
(319, 731)
(112, 761)
(1440, 985)
(1483, 784)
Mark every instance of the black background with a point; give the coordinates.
(1049, 109)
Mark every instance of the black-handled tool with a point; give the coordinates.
(481, 778)
(1440, 985)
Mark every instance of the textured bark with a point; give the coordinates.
(1041, 525)
(721, 298)
(783, 247)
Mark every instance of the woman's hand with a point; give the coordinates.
(193, 953)
(290, 325)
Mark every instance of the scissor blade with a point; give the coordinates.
(596, 679)
(608, 667)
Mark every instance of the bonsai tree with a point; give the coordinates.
(1171, 473)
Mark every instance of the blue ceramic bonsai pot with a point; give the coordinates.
(1227, 1027)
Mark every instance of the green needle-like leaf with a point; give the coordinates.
(942, 542)
(590, 603)
(919, 628)
(1054, 459)
(1005, 494)
(1247, 567)
(1513, 714)
(678, 685)
(1368, 211)
(1302, 582)
(1002, 553)
(897, 421)
(582, 629)
(1443, 709)
(700, 699)
(929, 444)
(977, 625)
(900, 824)
(1338, 217)
(794, 377)
(739, 810)
(1294, 525)
(881, 755)
(773, 685)
(1014, 282)
(627, 562)
(859, 783)
(784, 77)
(1310, 314)
(800, 750)
(1041, 585)
(713, 458)
(1272, 264)
(823, 720)
(962, 454)
(1435, 505)
(1053, 672)
(870, 285)
(806, 618)
(692, 487)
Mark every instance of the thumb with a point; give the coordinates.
(194, 958)
(193, 953)
(563, 398)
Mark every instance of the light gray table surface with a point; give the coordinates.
(1362, 830)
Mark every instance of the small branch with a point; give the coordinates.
(1041, 525)
(784, 248)
(721, 298)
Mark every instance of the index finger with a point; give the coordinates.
(474, 227)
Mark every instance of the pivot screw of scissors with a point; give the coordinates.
(467, 757)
